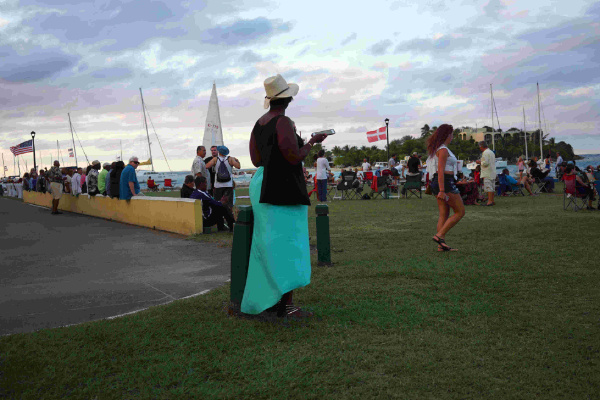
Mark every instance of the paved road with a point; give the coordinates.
(57, 270)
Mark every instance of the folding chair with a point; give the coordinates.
(352, 187)
(412, 186)
(168, 183)
(368, 177)
(379, 186)
(571, 196)
(152, 185)
(539, 185)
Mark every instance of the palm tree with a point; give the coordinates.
(425, 131)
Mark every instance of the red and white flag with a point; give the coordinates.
(372, 136)
(382, 133)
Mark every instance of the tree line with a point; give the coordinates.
(509, 148)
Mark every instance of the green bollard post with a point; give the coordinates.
(323, 242)
(240, 256)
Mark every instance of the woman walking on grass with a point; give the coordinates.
(280, 255)
(443, 184)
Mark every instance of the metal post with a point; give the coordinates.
(240, 256)
(33, 144)
(323, 242)
(387, 134)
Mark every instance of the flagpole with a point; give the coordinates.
(19, 165)
(387, 134)
(33, 147)
(3, 167)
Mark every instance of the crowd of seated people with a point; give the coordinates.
(583, 185)
(468, 188)
(538, 175)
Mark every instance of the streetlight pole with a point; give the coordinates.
(387, 135)
(33, 144)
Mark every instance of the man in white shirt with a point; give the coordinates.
(76, 183)
(322, 175)
(488, 171)
(366, 166)
(559, 161)
(392, 162)
(199, 167)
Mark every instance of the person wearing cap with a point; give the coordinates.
(223, 184)
(280, 255)
(128, 184)
(102, 178)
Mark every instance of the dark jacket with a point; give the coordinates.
(115, 182)
(186, 192)
(208, 202)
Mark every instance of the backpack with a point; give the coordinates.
(223, 174)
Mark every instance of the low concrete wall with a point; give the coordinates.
(182, 216)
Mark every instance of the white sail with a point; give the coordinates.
(213, 135)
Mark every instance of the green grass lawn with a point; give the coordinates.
(513, 315)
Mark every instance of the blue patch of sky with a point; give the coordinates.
(243, 32)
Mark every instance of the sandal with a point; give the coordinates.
(294, 312)
(442, 243)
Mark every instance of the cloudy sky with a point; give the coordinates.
(414, 62)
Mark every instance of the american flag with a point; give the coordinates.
(71, 153)
(25, 147)
(5, 168)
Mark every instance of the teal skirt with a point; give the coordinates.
(280, 254)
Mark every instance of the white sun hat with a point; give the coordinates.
(277, 88)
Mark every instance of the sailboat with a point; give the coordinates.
(213, 133)
(500, 163)
(144, 175)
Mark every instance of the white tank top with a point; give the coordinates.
(451, 161)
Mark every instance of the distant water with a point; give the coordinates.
(179, 178)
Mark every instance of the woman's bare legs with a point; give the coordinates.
(445, 223)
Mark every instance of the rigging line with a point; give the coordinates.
(497, 119)
(157, 138)
(80, 145)
(545, 122)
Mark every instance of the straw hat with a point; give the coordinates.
(277, 88)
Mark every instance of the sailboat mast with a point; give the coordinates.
(3, 167)
(121, 143)
(525, 132)
(146, 125)
(73, 139)
(62, 160)
(540, 123)
(492, 107)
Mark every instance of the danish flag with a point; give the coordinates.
(379, 134)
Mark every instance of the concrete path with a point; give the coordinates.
(57, 270)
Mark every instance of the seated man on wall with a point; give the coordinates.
(188, 187)
(213, 211)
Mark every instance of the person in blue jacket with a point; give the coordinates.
(213, 211)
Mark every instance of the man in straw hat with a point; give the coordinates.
(280, 254)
